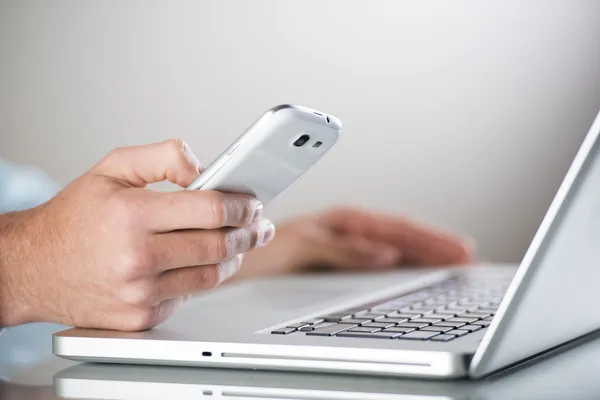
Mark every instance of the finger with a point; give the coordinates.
(167, 307)
(139, 318)
(423, 245)
(202, 247)
(191, 209)
(138, 166)
(355, 252)
(420, 244)
(189, 280)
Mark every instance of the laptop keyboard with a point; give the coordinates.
(442, 312)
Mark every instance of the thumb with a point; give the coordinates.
(357, 253)
(138, 166)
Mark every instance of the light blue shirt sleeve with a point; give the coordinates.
(22, 188)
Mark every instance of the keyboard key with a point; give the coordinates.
(441, 316)
(378, 324)
(474, 314)
(442, 329)
(457, 332)
(376, 335)
(307, 328)
(379, 312)
(418, 335)
(471, 328)
(297, 326)
(483, 324)
(336, 317)
(404, 315)
(460, 313)
(421, 310)
(314, 321)
(461, 319)
(321, 325)
(412, 325)
(364, 329)
(399, 329)
(331, 330)
(429, 321)
(369, 315)
(450, 324)
(356, 321)
(393, 320)
(488, 319)
(283, 331)
(443, 338)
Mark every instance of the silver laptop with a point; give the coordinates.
(569, 375)
(443, 323)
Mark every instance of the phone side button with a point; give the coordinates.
(233, 148)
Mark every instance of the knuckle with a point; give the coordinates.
(142, 319)
(254, 236)
(139, 294)
(117, 152)
(176, 149)
(127, 209)
(216, 209)
(222, 246)
(227, 269)
(114, 156)
(133, 265)
(247, 210)
(209, 277)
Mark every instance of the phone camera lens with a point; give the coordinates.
(301, 141)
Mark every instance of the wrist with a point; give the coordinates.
(13, 291)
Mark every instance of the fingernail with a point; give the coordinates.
(268, 230)
(228, 268)
(258, 212)
(191, 157)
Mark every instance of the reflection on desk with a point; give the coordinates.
(569, 374)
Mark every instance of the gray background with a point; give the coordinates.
(461, 113)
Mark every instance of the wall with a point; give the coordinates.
(461, 113)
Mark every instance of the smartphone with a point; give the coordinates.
(272, 153)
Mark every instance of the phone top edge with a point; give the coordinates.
(328, 120)
(332, 120)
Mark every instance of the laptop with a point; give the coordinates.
(433, 323)
(571, 374)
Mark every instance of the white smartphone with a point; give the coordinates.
(272, 153)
